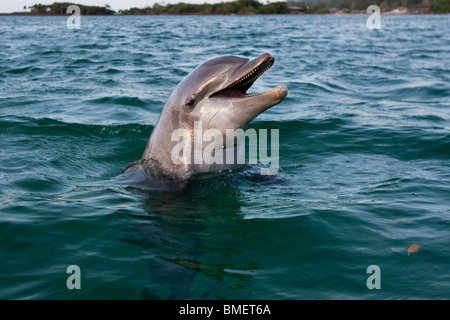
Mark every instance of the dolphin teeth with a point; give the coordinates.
(241, 85)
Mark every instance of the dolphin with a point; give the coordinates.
(213, 96)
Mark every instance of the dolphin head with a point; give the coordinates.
(214, 93)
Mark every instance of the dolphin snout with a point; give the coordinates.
(281, 91)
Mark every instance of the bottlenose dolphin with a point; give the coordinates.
(212, 96)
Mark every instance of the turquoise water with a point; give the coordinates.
(364, 161)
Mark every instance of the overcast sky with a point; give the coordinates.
(7, 6)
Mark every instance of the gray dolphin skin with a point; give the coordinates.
(214, 95)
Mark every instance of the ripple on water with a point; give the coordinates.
(363, 147)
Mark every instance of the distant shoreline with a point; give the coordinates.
(242, 8)
(218, 14)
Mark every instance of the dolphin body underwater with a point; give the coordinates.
(212, 96)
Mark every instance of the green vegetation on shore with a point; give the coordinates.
(440, 6)
(354, 6)
(233, 7)
(256, 7)
(60, 8)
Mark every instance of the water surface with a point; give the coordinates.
(364, 161)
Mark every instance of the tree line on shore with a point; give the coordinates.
(231, 7)
(348, 6)
(248, 7)
(60, 8)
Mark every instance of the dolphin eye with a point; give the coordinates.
(190, 102)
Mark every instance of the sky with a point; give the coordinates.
(8, 6)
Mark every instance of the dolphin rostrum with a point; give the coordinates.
(212, 97)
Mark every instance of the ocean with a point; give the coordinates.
(364, 154)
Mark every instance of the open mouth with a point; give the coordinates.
(239, 87)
